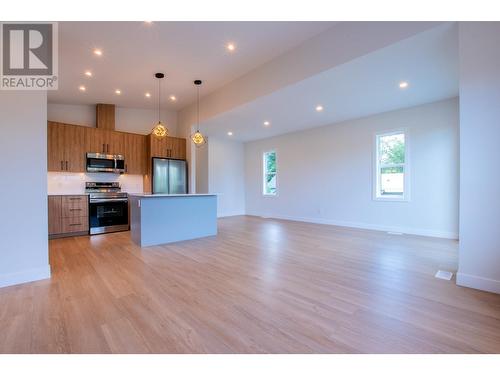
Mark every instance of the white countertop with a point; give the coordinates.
(147, 195)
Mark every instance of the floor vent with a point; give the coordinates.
(444, 275)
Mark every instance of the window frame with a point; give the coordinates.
(406, 167)
(265, 173)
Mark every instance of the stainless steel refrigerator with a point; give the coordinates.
(169, 176)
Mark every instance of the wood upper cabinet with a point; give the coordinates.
(167, 147)
(55, 147)
(135, 153)
(65, 147)
(75, 148)
(68, 145)
(176, 147)
(105, 141)
(118, 143)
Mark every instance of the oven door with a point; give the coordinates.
(100, 163)
(108, 215)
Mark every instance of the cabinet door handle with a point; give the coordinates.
(75, 224)
(75, 199)
(66, 165)
(75, 209)
(103, 148)
(62, 165)
(108, 148)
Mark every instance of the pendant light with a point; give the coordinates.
(159, 130)
(198, 138)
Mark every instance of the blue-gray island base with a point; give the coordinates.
(157, 219)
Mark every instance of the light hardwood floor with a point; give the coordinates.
(260, 286)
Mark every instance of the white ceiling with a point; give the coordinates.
(184, 51)
(364, 86)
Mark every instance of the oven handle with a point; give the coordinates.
(108, 200)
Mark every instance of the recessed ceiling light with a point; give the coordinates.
(319, 108)
(88, 73)
(229, 133)
(267, 123)
(148, 22)
(403, 85)
(173, 98)
(97, 52)
(82, 88)
(118, 92)
(231, 47)
(147, 95)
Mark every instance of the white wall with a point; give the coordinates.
(131, 120)
(325, 174)
(201, 169)
(308, 59)
(23, 189)
(226, 176)
(479, 255)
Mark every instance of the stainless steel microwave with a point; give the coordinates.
(105, 163)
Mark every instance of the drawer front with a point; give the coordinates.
(75, 224)
(74, 206)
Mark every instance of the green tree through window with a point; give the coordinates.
(391, 165)
(269, 187)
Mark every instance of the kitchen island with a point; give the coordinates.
(157, 219)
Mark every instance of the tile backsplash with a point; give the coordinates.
(74, 183)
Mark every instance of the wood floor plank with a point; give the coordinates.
(259, 286)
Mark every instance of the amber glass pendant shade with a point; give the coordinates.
(198, 139)
(160, 130)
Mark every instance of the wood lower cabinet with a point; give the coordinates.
(68, 215)
(55, 212)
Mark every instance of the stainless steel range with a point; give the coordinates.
(108, 207)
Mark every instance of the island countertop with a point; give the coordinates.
(149, 195)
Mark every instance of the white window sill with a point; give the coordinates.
(391, 199)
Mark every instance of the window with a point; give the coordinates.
(391, 164)
(269, 178)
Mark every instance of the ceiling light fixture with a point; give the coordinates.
(231, 47)
(82, 88)
(403, 85)
(118, 92)
(97, 52)
(319, 108)
(159, 129)
(88, 73)
(147, 95)
(229, 133)
(267, 123)
(198, 138)
(173, 98)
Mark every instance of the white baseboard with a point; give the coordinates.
(384, 228)
(477, 282)
(26, 276)
(229, 214)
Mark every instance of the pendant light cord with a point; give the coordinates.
(159, 99)
(198, 109)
